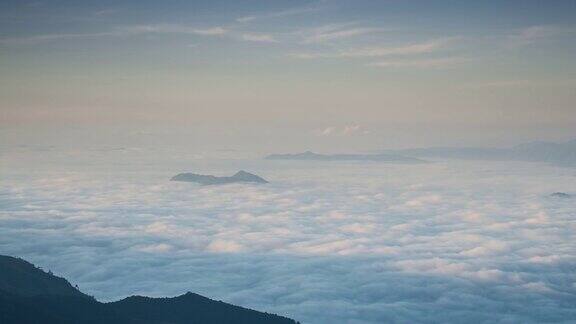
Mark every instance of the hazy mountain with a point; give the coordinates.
(240, 176)
(30, 295)
(311, 156)
(559, 153)
(560, 195)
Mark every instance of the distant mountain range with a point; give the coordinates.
(557, 153)
(30, 295)
(240, 176)
(562, 195)
(311, 156)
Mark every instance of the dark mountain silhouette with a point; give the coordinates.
(191, 306)
(22, 278)
(30, 295)
(240, 176)
(311, 156)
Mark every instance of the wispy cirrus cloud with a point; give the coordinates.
(281, 13)
(245, 19)
(421, 63)
(210, 31)
(105, 12)
(416, 48)
(175, 29)
(334, 32)
(295, 11)
(532, 34)
(118, 32)
(37, 39)
(125, 31)
(258, 37)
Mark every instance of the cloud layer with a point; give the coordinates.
(338, 242)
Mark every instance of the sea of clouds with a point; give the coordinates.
(324, 242)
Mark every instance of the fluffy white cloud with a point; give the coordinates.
(224, 246)
(346, 130)
(440, 242)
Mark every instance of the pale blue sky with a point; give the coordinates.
(305, 74)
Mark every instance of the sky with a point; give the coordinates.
(267, 76)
